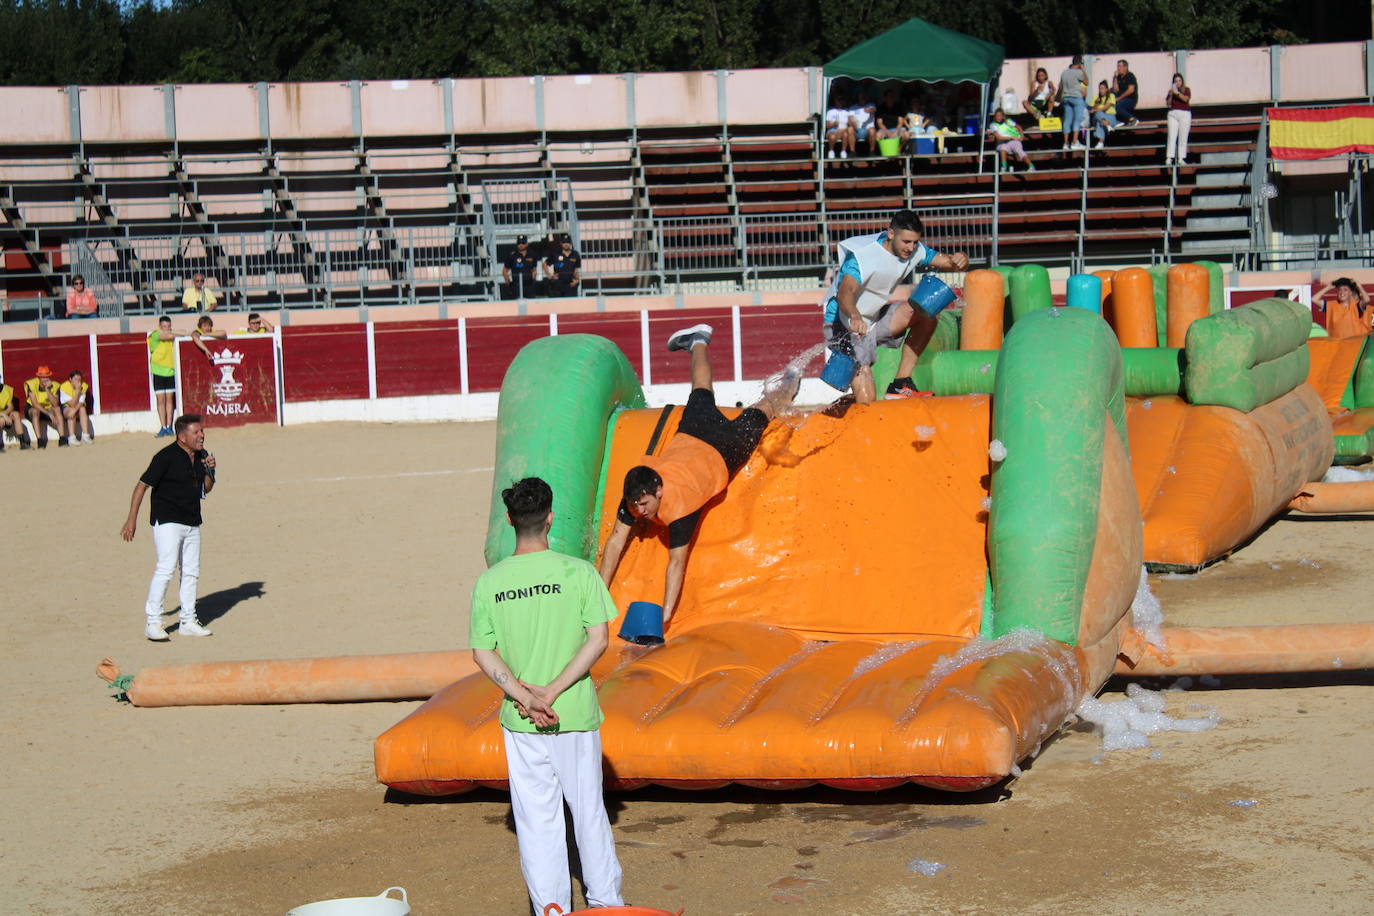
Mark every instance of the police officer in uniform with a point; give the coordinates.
(564, 268)
(518, 271)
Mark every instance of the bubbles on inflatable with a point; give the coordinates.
(997, 451)
(925, 432)
(1340, 474)
(1147, 615)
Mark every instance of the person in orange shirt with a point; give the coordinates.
(1348, 314)
(669, 490)
(80, 300)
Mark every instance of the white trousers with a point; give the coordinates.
(1180, 122)
(176, 544)
(545, 771)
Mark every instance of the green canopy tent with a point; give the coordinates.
(920, 50)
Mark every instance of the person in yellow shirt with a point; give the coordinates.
(162, 370)
(11, 420)
(41, 395)
(257, 325)
(196, 297)
(1348, 312)
(72, 394)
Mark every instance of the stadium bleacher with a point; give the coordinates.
(322, 213)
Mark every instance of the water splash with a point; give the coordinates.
(875, 659)
(796, 658)
(1147, 615)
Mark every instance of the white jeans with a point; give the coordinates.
(175, 543)
(1180, 122)
(546, 770)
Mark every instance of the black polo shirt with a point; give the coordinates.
(518, 263)
(564, 265)
(176, 481)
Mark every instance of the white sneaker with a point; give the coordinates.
(687, 338)
(78, 442)
(192, 627)
(844, 154)
(154, 631)
(1100, 145)
(830, 155)
(1077, 146)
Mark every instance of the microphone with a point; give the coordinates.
(201, 455)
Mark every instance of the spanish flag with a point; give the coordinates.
(1320, 133)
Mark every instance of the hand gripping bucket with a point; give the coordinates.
(931, 295)
(839, 371)
(643, 624)
(381, 905)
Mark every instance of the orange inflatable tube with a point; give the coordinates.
(1256, 650)
(403, 676)
(1131, 308)
(1106, 277)
(985, 299)
(1335, 498)
(1189, 294)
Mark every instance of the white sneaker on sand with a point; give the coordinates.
(154, 631)
(687, 338)
(192, 627)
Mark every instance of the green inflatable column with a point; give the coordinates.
(556, 400)
(1030, 290)
(1216, 286)
(1159, 273)
(1058, 380)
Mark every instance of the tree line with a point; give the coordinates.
(58, 42)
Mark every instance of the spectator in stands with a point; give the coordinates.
(520, 272)
(11, 420)
(564, 268)
(257, 325)
(1008, 136)
(44, 410)
(917, 124)
(861, 116)
(1127, 92)
(1041, 101)
(1103, 113)
(72, 395)
(889, 116)
(1348, 312)
(1073, 85)
(838, 131)
(1179, 100)
(197, 298)
(205, 327)
(162, 368)
(863, 310)
(80, 300)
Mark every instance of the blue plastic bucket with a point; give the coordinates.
(839, 371)
(643, 624)
(931, 295)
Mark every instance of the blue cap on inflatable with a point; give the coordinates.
(643, 624)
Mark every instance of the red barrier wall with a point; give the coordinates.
(20, 359)
(411, 358)
(324, 362)
(236, 385)
(124, 385)
(416, 357)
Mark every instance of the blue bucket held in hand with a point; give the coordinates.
(839, 371)
(931, 295)
(643, 624)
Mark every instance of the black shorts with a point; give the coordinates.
(735, 439)
(164, 383)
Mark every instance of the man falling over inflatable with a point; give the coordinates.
(669, 490)
(863, 312)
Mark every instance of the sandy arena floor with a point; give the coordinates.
(342, 539)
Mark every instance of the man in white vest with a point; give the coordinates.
(864, 312)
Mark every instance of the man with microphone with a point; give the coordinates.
(180, 476)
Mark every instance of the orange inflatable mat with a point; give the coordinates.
(762, 706)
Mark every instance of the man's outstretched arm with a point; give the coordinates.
(672, 579)
(610, 555)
